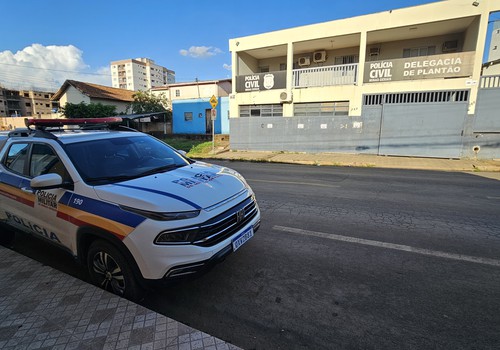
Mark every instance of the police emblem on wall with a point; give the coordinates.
(269, 81)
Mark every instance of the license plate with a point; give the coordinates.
(242, 238)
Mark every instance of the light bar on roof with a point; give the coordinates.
(71, 121)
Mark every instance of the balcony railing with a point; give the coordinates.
(345, 74)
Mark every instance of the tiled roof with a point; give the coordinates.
(96, 91)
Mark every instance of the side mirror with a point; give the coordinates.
(184, 153)
(46, 182)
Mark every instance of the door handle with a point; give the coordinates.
(27, 190)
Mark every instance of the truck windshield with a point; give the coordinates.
(118, 159)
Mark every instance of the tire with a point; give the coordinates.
(109, 270)
(6, 236)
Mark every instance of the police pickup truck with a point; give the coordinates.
(125, 204)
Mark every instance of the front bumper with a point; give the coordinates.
(192, 270)
(182, 271)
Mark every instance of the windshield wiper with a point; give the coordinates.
(108, 179)
(111, 179)
(160, 169)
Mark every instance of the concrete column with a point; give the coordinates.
(288, 107)
(356, 103)
(233, 106)
(478, 59)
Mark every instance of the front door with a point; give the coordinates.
(208, 121)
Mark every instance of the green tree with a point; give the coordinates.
(91, 110)
(146, 102)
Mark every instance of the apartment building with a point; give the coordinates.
(139, 74)
(37, 103)
(26, 103)
(3, 103)
(400, 82)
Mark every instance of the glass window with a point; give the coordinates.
(419, 51)
(45, 161)
(188, 116)
(110, 160)
(349, 59)
(17, 157)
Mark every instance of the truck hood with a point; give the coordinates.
(195, 186)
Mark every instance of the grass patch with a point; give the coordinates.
(200, 149)
(193, 147)
(183, 143)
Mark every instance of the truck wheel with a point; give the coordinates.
(110, 271)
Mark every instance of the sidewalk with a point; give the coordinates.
(41, 308)
(362, 160)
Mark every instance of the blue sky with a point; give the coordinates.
(76, 39)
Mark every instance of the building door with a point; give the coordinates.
(208, 121)
(423, 130)
(421, 124)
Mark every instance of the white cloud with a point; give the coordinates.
(200, 51)
(227, 66)
(47, 67)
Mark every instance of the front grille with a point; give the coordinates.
(226, 224)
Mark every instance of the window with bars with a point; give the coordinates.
(322, 109)
(274, 110)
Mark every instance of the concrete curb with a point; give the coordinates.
(359, 160)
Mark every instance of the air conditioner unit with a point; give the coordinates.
(285, 96)
(450, 46)
(304, 61)
(375, 51)
(319, 56)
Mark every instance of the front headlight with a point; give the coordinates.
(159, 216)
(179, 236)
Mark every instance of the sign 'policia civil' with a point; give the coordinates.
(426, 67)
(261, 81)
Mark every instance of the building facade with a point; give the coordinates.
(191, 107)
(38, 103)
(139, 74)
(400, 82)
(26, 103)
(76, 92)
(16, 105)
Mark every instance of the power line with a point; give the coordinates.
(55, 70)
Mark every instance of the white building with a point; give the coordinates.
(76, 92)
(400, 82)
(140, 74)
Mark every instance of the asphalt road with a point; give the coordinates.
(351, 258)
